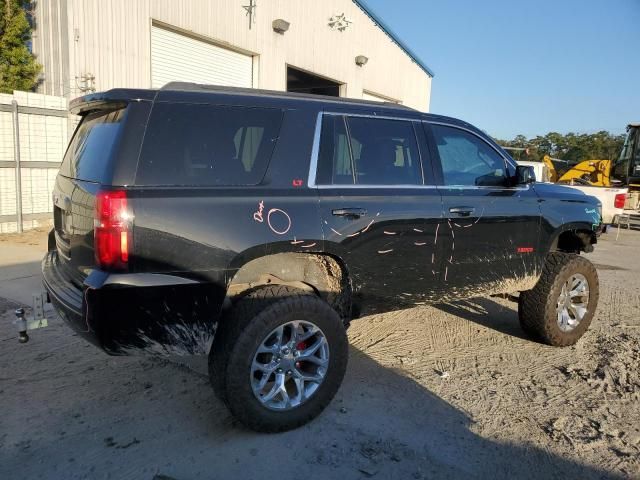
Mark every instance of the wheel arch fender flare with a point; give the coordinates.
(287, 264)
(582, 234)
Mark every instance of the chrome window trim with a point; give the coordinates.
(369, 115)
(315, 151)
(379, 187)
(481, 187)
(347, 130)
(420, 187)
(415, 135)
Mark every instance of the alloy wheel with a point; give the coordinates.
(572, 302)
(289, 365)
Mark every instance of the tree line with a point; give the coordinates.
(18, 68)
(572, 147)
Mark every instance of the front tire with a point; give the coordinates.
(280, 358)
(559, 309)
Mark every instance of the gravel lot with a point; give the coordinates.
(449, 391)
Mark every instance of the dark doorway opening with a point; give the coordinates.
(304, 82)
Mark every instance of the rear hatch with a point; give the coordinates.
(87, 168)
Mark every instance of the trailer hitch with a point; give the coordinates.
(24, 323)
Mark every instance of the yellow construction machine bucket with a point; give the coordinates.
(596, 172)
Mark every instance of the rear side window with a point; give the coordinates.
(207, 145)
(334, 162)
(88, 156)
(368, 151)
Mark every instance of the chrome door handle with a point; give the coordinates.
(349, 212)
(462, 211)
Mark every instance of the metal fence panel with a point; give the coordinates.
(44, 127)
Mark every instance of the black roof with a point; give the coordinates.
(255, 92)
(184, 91)
(96, 100)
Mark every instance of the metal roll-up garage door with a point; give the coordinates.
(176, 57)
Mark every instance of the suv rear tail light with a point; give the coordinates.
(620, 200)
(112, 230)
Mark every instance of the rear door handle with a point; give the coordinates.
(349, 212)
(462, 211)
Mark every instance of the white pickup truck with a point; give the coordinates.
(612, 198)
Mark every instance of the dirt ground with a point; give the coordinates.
(448, 391)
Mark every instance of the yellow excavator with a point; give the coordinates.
(588, 172)
(627, 168)
(604, 173)
(615, 183)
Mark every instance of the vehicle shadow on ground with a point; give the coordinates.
(436, 434)
(70, 411)
(488, 313)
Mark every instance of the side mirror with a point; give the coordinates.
(525, 174)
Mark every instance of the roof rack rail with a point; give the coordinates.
(197, 87)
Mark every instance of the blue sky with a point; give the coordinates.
(527, 67)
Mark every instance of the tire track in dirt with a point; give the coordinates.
(579, 402)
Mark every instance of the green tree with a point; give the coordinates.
(572, 147)
(18, 68)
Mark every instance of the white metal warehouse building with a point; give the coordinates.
(296, 45)
(331, 47)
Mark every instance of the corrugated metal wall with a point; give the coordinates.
(111, 41)
(51, 46)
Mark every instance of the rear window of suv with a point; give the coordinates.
(88, 155)
(207, 145)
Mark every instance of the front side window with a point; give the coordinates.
(207, 145)
(368, 151)
(468, 160)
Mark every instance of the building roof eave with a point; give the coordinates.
(394, 38)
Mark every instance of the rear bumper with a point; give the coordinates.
(66, 297)
(136, 313)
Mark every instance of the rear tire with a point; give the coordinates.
(252, 322)
(549, 311)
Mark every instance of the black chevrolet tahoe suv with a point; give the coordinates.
(252, 226)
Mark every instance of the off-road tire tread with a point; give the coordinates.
(233, 322)
(537, 307)
(256, 308)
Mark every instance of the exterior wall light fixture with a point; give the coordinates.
(280, 26)
(361, 60)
